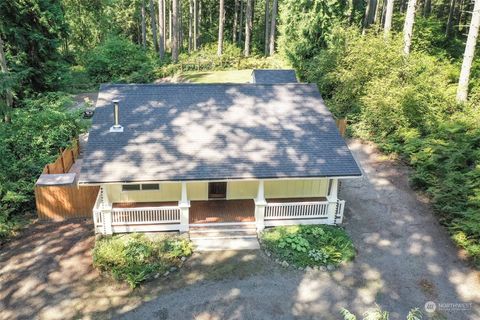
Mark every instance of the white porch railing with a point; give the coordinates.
(145, 215)
(296, 210)
(97, 212)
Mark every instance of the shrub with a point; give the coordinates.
(407, 106)
(309, 245)
(134, 258)
(29, 142)
(119, 60)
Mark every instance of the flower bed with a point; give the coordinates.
(134, 258)
(308, 245)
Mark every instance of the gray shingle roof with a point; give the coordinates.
(214, 131)
(271, 76)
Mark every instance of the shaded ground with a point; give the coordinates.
(404, 259)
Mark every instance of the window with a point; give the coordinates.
(138, 187)
(130, 187)
(217, 190)
(150, 186)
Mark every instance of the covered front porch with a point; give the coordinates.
(119, 217)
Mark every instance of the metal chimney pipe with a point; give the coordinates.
(116, 118)
(115, 113)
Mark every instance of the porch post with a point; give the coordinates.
(332, 201)
(184, 205)
(260, 204)
(106, 212)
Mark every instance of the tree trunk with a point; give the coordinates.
(451, 12)
(267, 27)
(273, 27)
(161, 28)
(180, 26)
(154, 25)
(200, 19)
(427, 8)
(240, 23)
(248, 28)
(144, 30)
(408, 26)
(175, 32)
(221, 21)
(369, 14)
(235, 22)
(8, 93)
(195, 24)
(388, 18)
(170, 26)
(459, 18)
(462, 90)
(190, 25)
(378, 11)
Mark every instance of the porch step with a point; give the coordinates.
(222, 237)
(226, 244)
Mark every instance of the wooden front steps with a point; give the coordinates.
(224, 237)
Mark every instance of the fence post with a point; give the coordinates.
(107, 221)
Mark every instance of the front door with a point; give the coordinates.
(217, 190)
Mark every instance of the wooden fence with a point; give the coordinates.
(65, 201)
(64, 161)
(342, 125)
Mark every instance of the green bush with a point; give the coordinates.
(33, 138)
(134, 258)
(407, 106)
(119, 60)
(309, 245)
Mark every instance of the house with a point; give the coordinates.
(173, 156)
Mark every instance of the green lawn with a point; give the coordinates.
(230, 76)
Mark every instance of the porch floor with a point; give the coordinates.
(221, 211)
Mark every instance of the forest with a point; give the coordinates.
(405, 73)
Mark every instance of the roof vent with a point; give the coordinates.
(116, 126)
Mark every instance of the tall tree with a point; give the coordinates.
(462, 90)
(170, 25)
(427, 8)
(221, 21)
(144, 27)
(248, 28)
(388, 18)
(153, 22)
(369, 17)
(235, 22)
(175, 32)
(8, 93)
(273, 27)
(408, 26)
(161, 28)
(190, 25)
(195, 24)
(451, 13)
(267, 27)
(240, 23)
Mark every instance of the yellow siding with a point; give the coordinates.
(296, 188)
(167, 192)
(242, 189)
(197, 190)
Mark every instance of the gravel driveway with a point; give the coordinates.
(405, 258)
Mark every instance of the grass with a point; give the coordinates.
(134, 258)
(309, 245)
(229, 76)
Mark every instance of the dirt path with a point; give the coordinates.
(405, 258)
